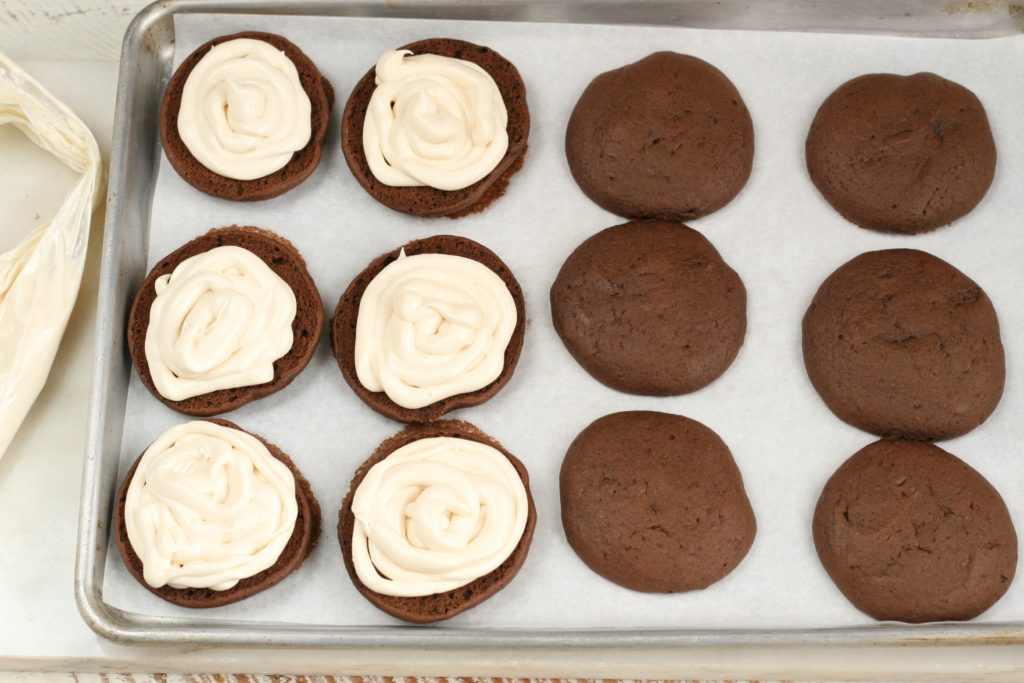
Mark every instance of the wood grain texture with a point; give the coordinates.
(65, 29)
(284, 678)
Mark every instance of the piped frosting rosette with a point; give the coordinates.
(431, 326)
(219, 321)
(244, 112)
(435, 515)
(434, 121)
(207, 507)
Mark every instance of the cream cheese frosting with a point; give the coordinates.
(431, 326)
(244, 112)
(207, 507)
(436, 514)
(433, 120)
(219, 321)
(40, 276)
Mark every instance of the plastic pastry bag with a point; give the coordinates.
(40, 277)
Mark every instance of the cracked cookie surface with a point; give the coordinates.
(666, 137)
(900, 343)
(655, 502)
(650, 307)
(909, 532)
(903, 154)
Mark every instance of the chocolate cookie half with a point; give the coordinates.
(302, 163)
(909, 532)
(665, 137)
(426, 200)
(285, 261)
(903, 154)
(460, 518)
(654, 502)
(299, 546)
(900, 343)
(437, 349)
(650, 308)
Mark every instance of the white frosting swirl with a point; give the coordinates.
(219, 321)
(207, 507)
(434, 515)
(432, 326)
(434, 121)
(243, 111)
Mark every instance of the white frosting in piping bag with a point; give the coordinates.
(431, 326)
(219, 321)
(208, 506)
(434, 121)
(243, 111)
(434, 515)
(40, 277)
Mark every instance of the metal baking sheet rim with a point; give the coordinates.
(147, 50)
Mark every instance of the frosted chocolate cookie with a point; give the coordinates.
(230, 317)
(244, 117)
(900, 343)
(432, 326)
(665, 137)
(909, 532)
(904, 154)
(650, 308)
(654, 502)
(437, 128)
(436, 521)
(211, 514)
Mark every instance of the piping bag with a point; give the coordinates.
(40, 276)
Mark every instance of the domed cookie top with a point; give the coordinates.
(230, 317)
(437, 128)
(432, 326)
(903, 154)
(909, 532)
(901, 343)
(665, 137)
(466, 520)
(655, 502)
(650, 308)
(211, 514)
(244, 117)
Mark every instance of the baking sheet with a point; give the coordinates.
(779, 235)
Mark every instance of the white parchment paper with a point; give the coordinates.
(779, 234)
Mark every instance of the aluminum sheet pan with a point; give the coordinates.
(521, 615)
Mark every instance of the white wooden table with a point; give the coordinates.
(72, 47)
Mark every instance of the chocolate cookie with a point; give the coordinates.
(903, 154)
(439, 606)
(900, 343)
(299, 547)
(666, 137)
(654, 502)
(909, 532)
(303, 163)
(650, 308)
(343, 328)
(282, 258)
(429, 201)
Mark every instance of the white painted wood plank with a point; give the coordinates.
(40, 474)
(65, 29)
(264, 678)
